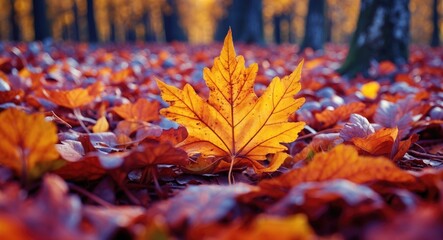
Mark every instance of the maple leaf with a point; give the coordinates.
(234, 123)
(26, 140)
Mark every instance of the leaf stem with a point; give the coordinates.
(89, 195)
(24, 173)
(79, 117)
(231, 179)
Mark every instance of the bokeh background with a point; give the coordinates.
(194, 21)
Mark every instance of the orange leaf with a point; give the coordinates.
(263, 227)
(342, 162)
(329, 118)
(142, 110)
(378, 143)
(77, 97)
(26, 140)
(234, 123)
(11, 227)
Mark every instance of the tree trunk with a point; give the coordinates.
(76, 24)
(41, 29)
(315, 33)
(382, 34)
(15, 29)
(130, 32)
(246, 21)
(171, 23)
(92, 27)
(149, 32)
(435, 40)
(111, 17)
(277, 28)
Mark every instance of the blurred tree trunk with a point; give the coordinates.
(76, 24)
(15, 30)
(315, 31)
(276, 20)
(131, 34)
(41, 29)
(283, 34)
(111, 19)
(328, 24)
(435, 40)
(92, 27)
(149, 31)
(171, 23)
(382, 34)
(246, 21)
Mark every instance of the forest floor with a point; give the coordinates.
(86, 154)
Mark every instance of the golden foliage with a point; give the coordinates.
(234, 123)
(26, 140)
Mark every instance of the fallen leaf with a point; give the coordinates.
(10, 96)
(342, 162)
(357, 127)
(329, 117)
(399, 114)
(77, 97)
(141, 110)
(378, 143)
(199, 205)
(370, 89)
(234, 123)
(26, 140)
(320, 143)
(101, 125)
(263, 227)
(151, 153)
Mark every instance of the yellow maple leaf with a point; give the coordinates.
(26, 140)
(233, 123)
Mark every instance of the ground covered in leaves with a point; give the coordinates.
(86, 154)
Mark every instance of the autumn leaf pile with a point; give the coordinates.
(193, 142)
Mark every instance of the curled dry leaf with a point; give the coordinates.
(26, 141)
(378, 143)
(234, 123)
(397, 115)
(77, 97)
(357, 127)
(141, 110)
